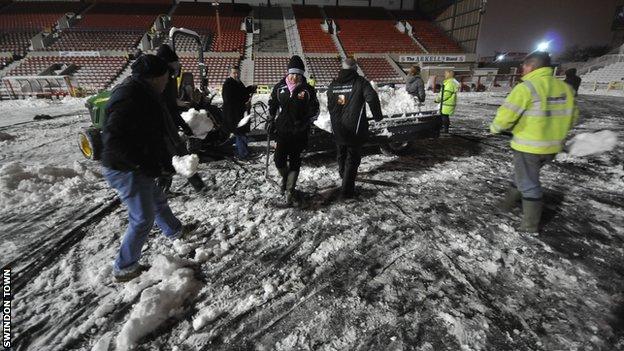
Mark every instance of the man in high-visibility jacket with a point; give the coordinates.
(448, 98)
(539, 112)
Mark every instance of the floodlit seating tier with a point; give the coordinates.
(607, 74)
(93, 73)
(16, 42)
(370, 30)
(35, 15)
(79, 40)
(432, 38)
(378, 69)
(218, 69)
(324, 69)
(313, 39)
(270, 70)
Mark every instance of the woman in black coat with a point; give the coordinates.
(293, 107)
(236, 100)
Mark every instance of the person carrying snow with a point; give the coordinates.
(346, 98)
(237, 100)
(293, 107)
(448, 98)
(414, 85)
(134, 155)
(173, 119)
(539, 112)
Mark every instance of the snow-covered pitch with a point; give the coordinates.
(423, 261)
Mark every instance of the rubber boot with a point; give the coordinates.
(284, 173)
(291, 183)
(531, 215)
(511, 200)
(197, 183)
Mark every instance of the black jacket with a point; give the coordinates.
(415, 86)
(346, 98)
(295, 113)
(170, 95)
(574, 81)
(235, 96)
(134, 131)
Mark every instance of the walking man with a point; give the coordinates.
(346, 98)
(293, 107)
(134, 155)
(539, 112)
(448, 98)
(237, 100)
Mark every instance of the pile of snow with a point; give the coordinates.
(245, 120)
(159, 302)
(592, 143)
(324, 122)
(185, 165)
(199, 122)
(17, 111)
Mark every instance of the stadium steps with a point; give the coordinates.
(292, 33)
(247, 65)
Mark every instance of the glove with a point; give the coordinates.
(164, 182)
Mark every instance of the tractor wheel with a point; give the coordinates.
(90, 144)
(395, 148)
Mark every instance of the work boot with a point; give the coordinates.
(197, 183)
(511, 200)
(531, 215)
(291, 183)
(127, 274)
(284, 173)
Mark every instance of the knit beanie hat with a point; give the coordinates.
(166, 53)
(149, 66)
(295, 65)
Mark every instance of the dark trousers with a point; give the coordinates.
(349, 157)
(288, 154)
(446, 122)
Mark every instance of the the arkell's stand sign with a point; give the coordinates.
(432, 58)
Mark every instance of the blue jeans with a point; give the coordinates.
(146, 203)
(527, 173)
(241, 145)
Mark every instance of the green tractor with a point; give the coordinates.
(90, 139)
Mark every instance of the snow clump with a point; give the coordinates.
(185, 165)
(592, 143)
(199, 122)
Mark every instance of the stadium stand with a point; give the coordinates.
(427, 33)
(218, 69)
(92, 73)
(5, 61)
(201, 17)
(313, 39)
(610, 73)
(369, 30)
(324, 69)
(378, 69)
(269, 69)
(272, 37)
(80, 40)
(16, 42)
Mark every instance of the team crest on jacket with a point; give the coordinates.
(342, 100)
(301, 95)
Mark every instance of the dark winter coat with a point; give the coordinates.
(235, 96)
(415, 87)
(346, 98)
(133, 133)
(574, 81)
(170, 96)
(295, 113)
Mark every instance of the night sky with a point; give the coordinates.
(518, 25)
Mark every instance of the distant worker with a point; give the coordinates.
(539, 112)
(573, 80)
(237, 100)
(346, 99)
(414, 84)
(134, 155)
(448, 98)
(312, 81)
(174, 121)
(293, 107)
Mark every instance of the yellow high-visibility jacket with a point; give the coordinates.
(312, 82)
(539, 112)
(448, 96)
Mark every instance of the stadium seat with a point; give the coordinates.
(313, 39)
(218, 69)
(324, 69)
(378, 69)
(269, 70)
